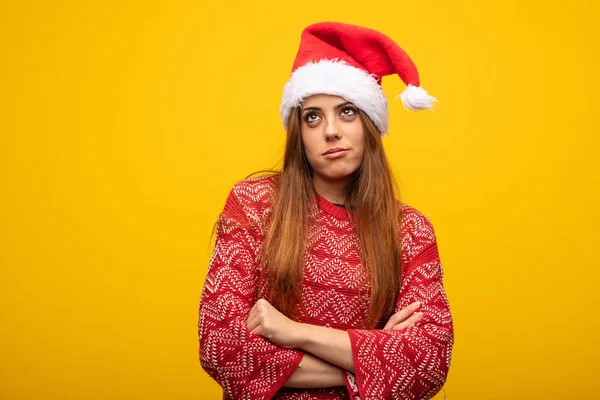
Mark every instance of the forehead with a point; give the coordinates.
(322, 101)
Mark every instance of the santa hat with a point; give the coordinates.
(349, 61)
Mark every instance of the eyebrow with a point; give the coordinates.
(337, 107)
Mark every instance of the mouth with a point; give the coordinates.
(335, 153)
(334, 150)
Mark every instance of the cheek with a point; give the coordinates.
(360, 152)
(310, 148)
(358, 140)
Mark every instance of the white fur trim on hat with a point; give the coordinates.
(336, 77)
(416, 98)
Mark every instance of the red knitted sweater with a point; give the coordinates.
(407, 364)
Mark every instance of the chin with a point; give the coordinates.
(338, 174)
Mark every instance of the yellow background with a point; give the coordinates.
(125, 124)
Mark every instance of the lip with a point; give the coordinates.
(335, 153)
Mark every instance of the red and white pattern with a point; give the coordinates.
(408, 364)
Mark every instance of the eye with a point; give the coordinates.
(311, 117)
(348, 111)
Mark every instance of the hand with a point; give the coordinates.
(403, 318)
(266, 321)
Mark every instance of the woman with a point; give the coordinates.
(322, 285)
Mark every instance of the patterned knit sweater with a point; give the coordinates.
(408, 364)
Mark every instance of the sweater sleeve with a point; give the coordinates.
(412, 363)
(247, 366)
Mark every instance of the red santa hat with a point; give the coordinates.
(349, 61)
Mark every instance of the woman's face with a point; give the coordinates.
(332, 135)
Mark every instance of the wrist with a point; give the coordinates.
(304, 333)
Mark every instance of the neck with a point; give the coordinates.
(333, 190)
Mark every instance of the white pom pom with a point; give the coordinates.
(416, 98)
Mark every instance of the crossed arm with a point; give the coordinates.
(327, 351)
(251, 350)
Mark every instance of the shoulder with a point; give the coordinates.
(414, 220)
(417, 232)
(250, 199)
(257, 190)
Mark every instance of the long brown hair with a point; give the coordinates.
(376, 211)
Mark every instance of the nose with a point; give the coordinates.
(332, 132)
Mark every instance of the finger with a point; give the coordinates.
(394, 319)
(262, 304)
(253, 323)
(416, 317)
(409, 322)
(251, 314)
(402, 315)
(406, 312)
(257, 330)
(260, 330)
